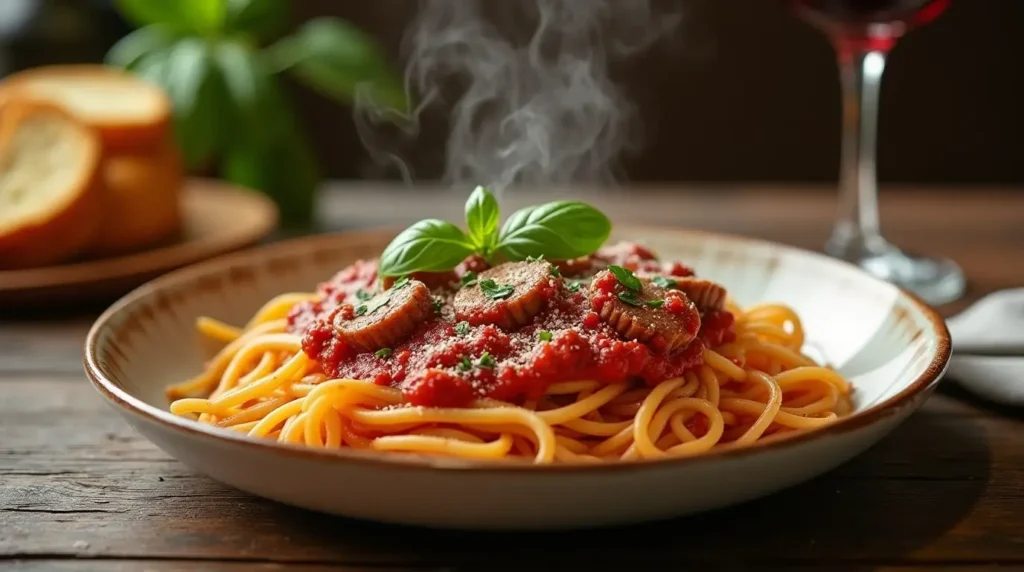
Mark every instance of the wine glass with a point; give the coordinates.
(862, 33)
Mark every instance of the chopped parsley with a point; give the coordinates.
(630, 298)
(465, 364)
(400, 283)
(545, 336)
(363, 295)
(655, 303)
(664, 282)
(574, 286)
(361, 309)
(438, 305)
(462, 328)
(383, 353)
(626, 277)
(495, 291)
(468, 279)
(534, 258)
(555, 271)
(486, 360)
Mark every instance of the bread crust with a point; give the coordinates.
(116, 133)
(68, 226)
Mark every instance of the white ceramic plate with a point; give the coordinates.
(892, 347)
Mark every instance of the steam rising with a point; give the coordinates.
(527, 109)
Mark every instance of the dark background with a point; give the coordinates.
(742, 92)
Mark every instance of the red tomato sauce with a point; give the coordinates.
(447, 364)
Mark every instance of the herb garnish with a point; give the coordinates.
(383, 353)
(630, 298)
(560, 230)
(487, 361)
(664, 282)
(465, 364)
(361, 309)
(655, 303)
(468, 279)
(626, 277)
(404, 280)
(496, 291)
(574, 286)
(363, 295)
(462, 328)
(555, 271)
(438, 305)
(544, 336)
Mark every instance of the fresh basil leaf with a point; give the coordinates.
(341, 61)
(129, 50)
(261, 18)
(560, 230)
(428, 246)
(197, 16)
(495, 291)
(626, 277)
(482, 217)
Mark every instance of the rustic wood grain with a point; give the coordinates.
(80, 490)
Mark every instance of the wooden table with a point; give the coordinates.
(79, 490)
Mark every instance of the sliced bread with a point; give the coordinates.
(49, 192)
(141, 196)
(127, 112)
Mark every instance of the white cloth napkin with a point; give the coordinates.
(994, 328)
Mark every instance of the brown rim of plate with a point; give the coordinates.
(157, 258)
(918, 388)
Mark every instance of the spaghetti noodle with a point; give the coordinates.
(285, 375)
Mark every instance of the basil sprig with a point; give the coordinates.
(558, 230)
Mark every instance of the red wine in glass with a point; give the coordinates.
(863, 32)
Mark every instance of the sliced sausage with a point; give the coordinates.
(659, 317)
(704, 294)
(387, 318)
(508, 295)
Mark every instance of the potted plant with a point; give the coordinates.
(220, 61)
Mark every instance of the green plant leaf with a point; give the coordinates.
(253, 93)
(559, 231)
(260, 18)
(482, 217)
(339, 60)
(196, 88)
(430, 245)
(197, 16)
(283, 167)
(130, 49)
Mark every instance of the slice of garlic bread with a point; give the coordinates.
(127, 112)
(49, 192)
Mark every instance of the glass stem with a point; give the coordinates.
(856, 234)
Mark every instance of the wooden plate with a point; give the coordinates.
(217, 218)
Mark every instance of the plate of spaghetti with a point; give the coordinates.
(547, 372)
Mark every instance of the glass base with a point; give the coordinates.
(935, 280)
